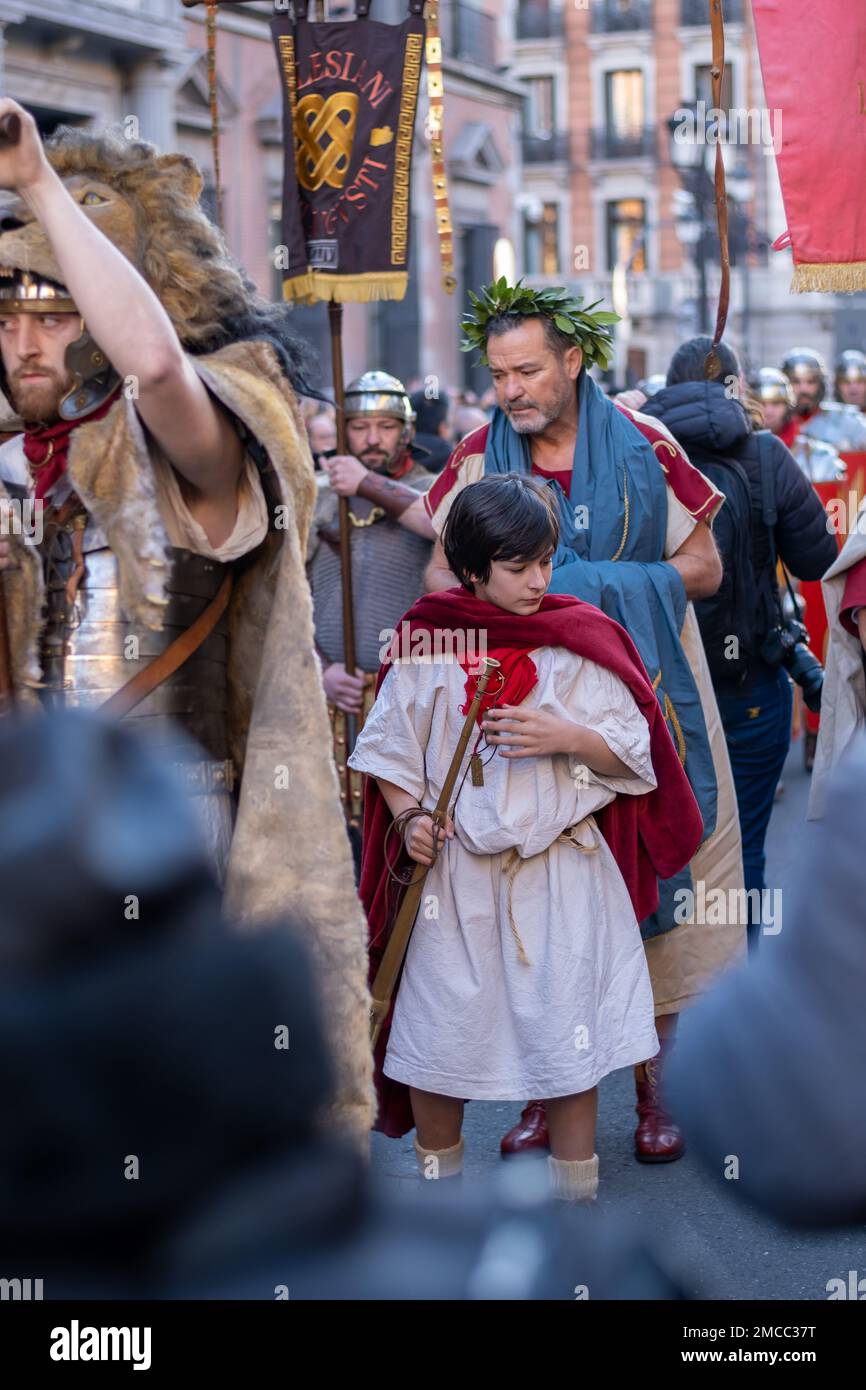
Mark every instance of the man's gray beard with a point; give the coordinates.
(524, 427)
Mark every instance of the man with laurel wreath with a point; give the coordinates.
(635, 541)
(165, 467)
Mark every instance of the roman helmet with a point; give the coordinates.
(379, 393)
(93, 377)
(802, 366)
(773, 387)
(850, 367)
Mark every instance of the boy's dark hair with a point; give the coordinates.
(505, 516)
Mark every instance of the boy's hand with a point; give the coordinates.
(528, 733)
(24, 164)
(419, 838)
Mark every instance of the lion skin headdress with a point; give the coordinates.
(148, 205)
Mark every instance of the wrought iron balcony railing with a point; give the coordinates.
(693, 12)
(538, 21)
(618, 144)
(616, 16)
(545, 149)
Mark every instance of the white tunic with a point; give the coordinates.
(526, 974)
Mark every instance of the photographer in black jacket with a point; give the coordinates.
(753, 653)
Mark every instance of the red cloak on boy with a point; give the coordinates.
(651, 836)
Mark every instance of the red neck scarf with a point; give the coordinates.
(650, 836)
(46, 447)
(510, 685)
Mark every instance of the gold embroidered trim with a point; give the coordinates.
(625, 520)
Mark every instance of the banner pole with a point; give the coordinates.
(335, 322)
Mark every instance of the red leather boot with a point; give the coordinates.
(530, 1132)
(657, 1139)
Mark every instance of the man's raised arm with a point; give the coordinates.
(128, 322)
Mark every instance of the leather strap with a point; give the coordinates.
(174, 656)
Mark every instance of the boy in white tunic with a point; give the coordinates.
(525, 972)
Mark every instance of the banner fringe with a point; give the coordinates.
(835, 277)
(346, 289)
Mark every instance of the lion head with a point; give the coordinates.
(147, 204)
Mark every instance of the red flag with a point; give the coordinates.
(815, 85)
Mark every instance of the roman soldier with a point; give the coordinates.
(832, 422)
(850, 378)
(807, 372)
(390, 544)
(776, 394)
(163, 459)
(830, 446)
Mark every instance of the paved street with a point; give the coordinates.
(738, 1254)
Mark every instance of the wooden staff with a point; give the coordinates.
(712, 361)
(398, 942)
(335, 321)
(10, 134)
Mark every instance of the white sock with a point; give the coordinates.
(440, 1163)
(574, 1180)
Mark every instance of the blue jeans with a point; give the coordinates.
(758, 733)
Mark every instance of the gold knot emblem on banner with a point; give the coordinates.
(334, 118)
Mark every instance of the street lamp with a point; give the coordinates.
(693, 157)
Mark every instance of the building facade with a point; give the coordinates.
(558, 153)
(602, 201)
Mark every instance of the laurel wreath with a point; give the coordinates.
(591, 332)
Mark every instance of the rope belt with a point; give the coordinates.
(513, 863)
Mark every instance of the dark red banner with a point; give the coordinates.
(350, 93)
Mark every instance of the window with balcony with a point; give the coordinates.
(541, 240)
(624, 133)
(624, 103)
(539, 113)
(537, 19)
(626, 234)
(694, 12)
(468, 33)
(618, 16)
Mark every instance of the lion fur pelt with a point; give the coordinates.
(290, 856)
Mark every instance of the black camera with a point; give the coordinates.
(788, 645)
